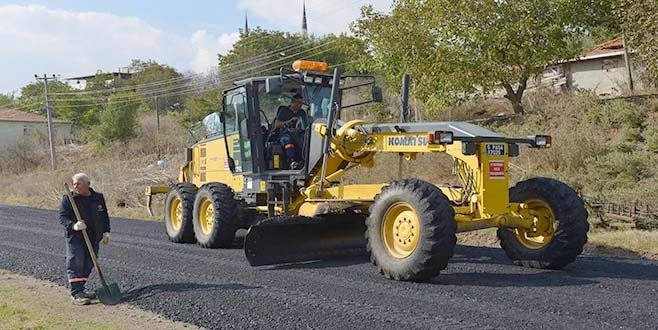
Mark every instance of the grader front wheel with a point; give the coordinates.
(178, 213)
(216, 216)
(560, 225)
(411, 231)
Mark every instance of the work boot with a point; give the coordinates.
(80, 299)
(89, 295)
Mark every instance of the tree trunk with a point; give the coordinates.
(516, 96)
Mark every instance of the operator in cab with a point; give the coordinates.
(286, 121)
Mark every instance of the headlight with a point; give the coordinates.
(543, 141)
(441, 137)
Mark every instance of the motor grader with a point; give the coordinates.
(235, 177)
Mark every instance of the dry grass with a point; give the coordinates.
(51, 309)
(626, 243)
(120, 172)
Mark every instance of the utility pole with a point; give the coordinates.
(50, 119)
(157, 120)
(157, 114)
(627, 59)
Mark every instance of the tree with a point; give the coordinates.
(456, 48)
(118, 119)
(263, 52)
(65, 103)
(6, 100)
(198, 106)
(154, 79)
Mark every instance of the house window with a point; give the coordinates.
(28, 130)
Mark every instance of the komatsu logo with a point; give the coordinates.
(417, 140)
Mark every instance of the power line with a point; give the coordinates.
(230, 74)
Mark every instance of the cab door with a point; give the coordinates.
(236, 115)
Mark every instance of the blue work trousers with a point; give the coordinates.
(289, 144)
(78, 262)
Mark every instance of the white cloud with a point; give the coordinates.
(205, 48)
(322, 16)
(37, 39)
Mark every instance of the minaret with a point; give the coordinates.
(246, 25)
(304, 26)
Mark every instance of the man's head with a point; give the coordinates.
(81, 184)
(296, 103)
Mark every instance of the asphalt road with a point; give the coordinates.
(217, 289)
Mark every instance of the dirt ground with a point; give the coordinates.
(28, 303)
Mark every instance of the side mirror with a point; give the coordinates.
(273, 85)
(377, 95)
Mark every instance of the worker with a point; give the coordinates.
(286, 120)
(96, 222)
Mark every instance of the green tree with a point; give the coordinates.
(636, 20)
(65, 102)
(198, 106)
(640, 24)
(453, 49)
(6, 100)
(153, 79)
(263, 52)
(118, 120)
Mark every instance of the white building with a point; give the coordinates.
(17, 125)
(601, 70)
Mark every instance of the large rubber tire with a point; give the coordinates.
(179, 204)
(216, 216)
(399, 249)
(570, 226)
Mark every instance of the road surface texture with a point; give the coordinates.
(217, 289)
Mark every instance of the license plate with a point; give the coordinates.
(495, 149)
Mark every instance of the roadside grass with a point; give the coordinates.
(28, 303)
(624, 243)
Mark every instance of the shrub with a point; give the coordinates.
(618, 169)
(118, 122)
(650, 136)
(617, 114)
(23, 156)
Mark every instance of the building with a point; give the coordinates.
(80, 82)
(601, 70)
(17, 125)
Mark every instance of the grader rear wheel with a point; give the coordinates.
(560, 225)
(178, 213)
(216, 215)
(411, 231)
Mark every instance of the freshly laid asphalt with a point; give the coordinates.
(217, 289)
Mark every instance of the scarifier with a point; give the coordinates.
(234, 178)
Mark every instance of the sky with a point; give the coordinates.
(73, 38)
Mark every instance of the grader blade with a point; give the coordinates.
(290, 239)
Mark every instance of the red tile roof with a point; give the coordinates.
(14, 115)
(608, 47)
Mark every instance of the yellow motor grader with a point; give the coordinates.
(235, 177)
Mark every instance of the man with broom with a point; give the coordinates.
(96, 222)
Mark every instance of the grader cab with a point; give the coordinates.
(236, 178)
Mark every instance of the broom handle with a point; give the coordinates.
(84, 233)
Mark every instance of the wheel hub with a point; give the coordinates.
(176, 214)
(401, 230)
(543, 228)
(207, 218)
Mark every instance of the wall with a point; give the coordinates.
(13, 131)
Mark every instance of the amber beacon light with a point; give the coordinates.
(303, 65)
